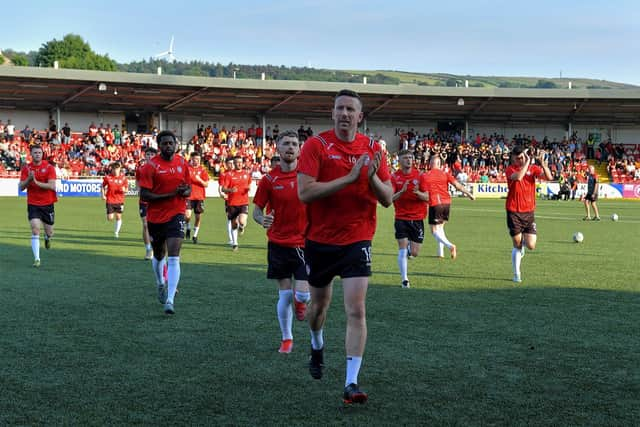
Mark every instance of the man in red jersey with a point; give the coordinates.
(228, 166)
(285, 224)
(409, 201)
(149, 153)
(341, 178)
(521, 203)
(236, 185)
(164, 184)
(39, 179)
(199, 183)
(437, 184)
(114, 187)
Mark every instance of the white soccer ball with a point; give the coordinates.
(614, 217)
(578, 237)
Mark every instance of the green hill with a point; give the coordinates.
(443, 79)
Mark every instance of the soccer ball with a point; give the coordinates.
(578, 237)
(614, 217)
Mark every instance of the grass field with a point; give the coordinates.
(84, 340)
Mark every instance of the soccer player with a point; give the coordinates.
(437, 183)
(410, 203)
(38, 178)
(521, 203)
(285, 223)
(236, 185)
(142, 205)
(114, 187)
(164, 184)
(341, 177)
(199, 183)
(228, 167)
(591, 197)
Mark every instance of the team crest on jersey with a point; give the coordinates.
(335, 156)
(415, 182)
(43, 170)
(278, 187)
(179, 169)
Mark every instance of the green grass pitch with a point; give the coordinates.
(84, 341)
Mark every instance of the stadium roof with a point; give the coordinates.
(31, 88)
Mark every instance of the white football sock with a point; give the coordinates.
(402, 263)
(317, 340)
(118, 225)
(35, 246)
(230, 230)
(442, 238)
(195, 231)
(353, 368)
(158, 270)
(234, 237)
(440, 250)
(285, 313)
(173, 273)
(516, 259)
(147, 246)
(303, 296)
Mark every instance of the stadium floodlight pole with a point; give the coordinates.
(264, 132)
(160, 129)
(58, 118)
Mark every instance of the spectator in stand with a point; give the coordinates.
(66, 133)
(10, 130)
(26, 133)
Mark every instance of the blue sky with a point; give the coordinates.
(594, 39)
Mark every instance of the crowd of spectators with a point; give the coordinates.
(482, 158)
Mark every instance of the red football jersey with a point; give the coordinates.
(408, 206)
(278, 192)
(43, 173)
(116, 188)
(138, 169)
(241, 180)
(522, 194)
(437, 183)
(349, 215)
(198, 191)
(161, 176)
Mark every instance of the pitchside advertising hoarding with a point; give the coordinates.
(91, 188)
(548, 190)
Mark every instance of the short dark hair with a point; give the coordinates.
(238, 157)
(116, 165)
(286, 134)
(350, 93)
(404, 152)
(196, 154)
(34, 146)
(517, 150)
(166, 133)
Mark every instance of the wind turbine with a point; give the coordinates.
(168, 54)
